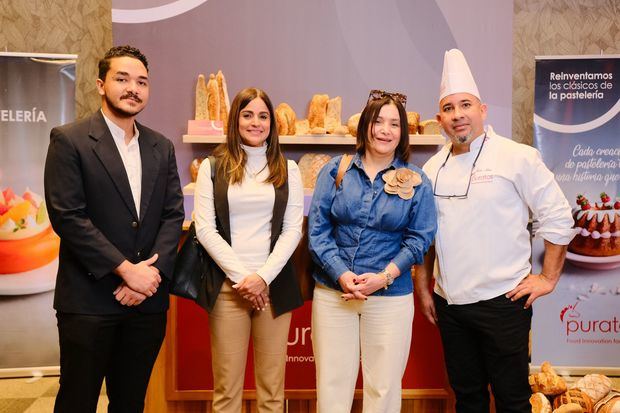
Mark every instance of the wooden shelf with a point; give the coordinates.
(318, 139)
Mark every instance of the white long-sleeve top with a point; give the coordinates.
(482, 242)
(250, 209)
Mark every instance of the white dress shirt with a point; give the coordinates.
(130, 155)
(251, 210)
(482, 243)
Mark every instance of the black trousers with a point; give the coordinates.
(120, 348)
(487, 343)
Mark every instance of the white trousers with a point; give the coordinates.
(380, 330)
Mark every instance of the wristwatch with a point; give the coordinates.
(389, 279)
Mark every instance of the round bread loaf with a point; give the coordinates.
(574, 396)
(352, 123)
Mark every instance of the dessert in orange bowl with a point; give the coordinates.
(27, 240)
(599, 227)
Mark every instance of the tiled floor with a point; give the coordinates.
(34, 395)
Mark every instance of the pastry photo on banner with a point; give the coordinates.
(39, 94)
(576, 124)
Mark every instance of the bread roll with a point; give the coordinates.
(340, 130)
(318, 131)
(574, 396)
(333, 115)
(288, 115)
(547, 381)
(413, 119)
(317, 111)
(596, 386)
(309, 166)
(352, 123)
(540, 403)
(302, 127)
(429, 127)
(194, 167)
(201, 99)
(213, 98)
(224, 102)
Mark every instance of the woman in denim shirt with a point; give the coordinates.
(365, 235)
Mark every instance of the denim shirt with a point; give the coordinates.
(362, 228)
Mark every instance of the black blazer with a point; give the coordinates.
(91, 208)
(284, 291)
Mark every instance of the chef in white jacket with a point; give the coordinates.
(485, 186)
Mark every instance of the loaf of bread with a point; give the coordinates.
(224, 102)
(286, 114)
(413, 120)
(340, 130)
(569, 408)
(574, 396)
(352, 123)
(596, 386)
(547, 381)
(201, 99)
(317, 111)
(309, 166)
(540, 403)
(213, 98)
(302, 127)
(317, 130)
(609, 403)
(333, 115)
(281, 123)
(194, 167)
(429, 127)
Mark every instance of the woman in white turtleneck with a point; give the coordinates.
(249, 219)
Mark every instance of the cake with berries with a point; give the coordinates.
(27, 240)
(599, 227)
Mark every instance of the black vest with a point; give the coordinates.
(284, 291)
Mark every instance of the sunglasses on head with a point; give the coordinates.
(377, 94)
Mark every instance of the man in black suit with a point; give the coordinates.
(113, 194)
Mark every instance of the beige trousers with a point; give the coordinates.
(379, 330)
(231, 322)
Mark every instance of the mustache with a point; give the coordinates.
(131, 95)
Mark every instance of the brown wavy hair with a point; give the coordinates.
(233, 157)
(369, 116)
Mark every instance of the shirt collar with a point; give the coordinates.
(118, 133)
(396, 163)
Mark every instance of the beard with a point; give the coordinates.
(120, 112)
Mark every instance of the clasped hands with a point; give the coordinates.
(359, 287)
(140, 281)
(254, 289)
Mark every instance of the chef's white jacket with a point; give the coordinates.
(482, 243)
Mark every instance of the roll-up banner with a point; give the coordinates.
(577, 130)
(37, 92)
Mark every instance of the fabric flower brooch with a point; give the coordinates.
(401, 182)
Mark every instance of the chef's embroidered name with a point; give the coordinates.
(28, 116)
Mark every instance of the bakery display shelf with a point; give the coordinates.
(318, 139)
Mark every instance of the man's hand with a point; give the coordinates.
(536, 285)
(127, 296)
(427, 305)
(141, 277)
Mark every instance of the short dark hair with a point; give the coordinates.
(120, 51)
(369, 116)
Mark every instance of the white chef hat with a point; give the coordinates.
(456, 76)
